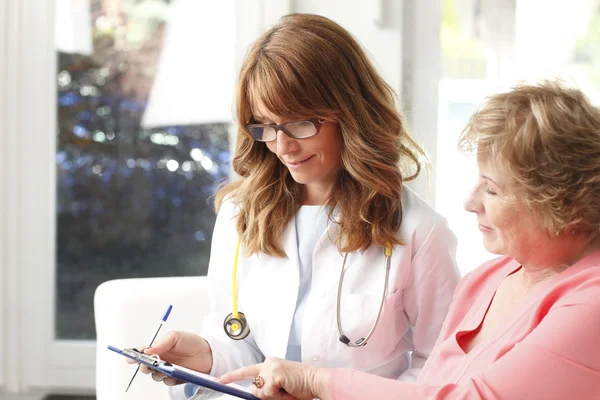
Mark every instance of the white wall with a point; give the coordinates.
(27, 237)
(3, 102)
(27, 205)
(9, 68)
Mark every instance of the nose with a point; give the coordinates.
(473, 201)
(285, 144)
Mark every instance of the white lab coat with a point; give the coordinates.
(422, 279)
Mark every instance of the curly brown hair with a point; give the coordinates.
(546, 136)
(307, 66)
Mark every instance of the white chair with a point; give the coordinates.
(127, 313)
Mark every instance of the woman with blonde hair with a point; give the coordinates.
(525, 325)
(319, 242)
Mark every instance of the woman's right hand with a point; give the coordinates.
(182, 348)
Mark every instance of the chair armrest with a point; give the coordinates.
(127, 313)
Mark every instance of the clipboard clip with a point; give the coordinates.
(153, 359)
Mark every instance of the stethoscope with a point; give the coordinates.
(236, 324)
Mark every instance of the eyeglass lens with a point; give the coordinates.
(297, 130)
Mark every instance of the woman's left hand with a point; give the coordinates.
(283, 380)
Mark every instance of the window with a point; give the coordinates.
(488, 45)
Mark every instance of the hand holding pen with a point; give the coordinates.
(162, 321)
(180, 348)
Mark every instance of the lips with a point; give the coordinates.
(485, 228)
(297, 163)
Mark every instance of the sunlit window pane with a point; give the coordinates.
(488, 45)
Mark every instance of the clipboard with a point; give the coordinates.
(184, 374)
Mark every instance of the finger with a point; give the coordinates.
(271, 391)
(287, 396)
(272, 394)
(248, 372)
(158, 377)
(171, 381)
(131, 360)
(146, 369)
(164, 344)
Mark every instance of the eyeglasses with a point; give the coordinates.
(294, 129)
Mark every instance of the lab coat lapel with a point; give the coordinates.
(290, 243)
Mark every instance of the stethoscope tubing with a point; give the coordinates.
(363, 341)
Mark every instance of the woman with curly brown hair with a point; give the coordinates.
(525, 325)
(319, 241)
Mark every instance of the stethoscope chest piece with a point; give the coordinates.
(236, 328)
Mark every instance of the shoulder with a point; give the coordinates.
(579, 284)
(569, 309)
(416, 211)
(229, 207)
(421, 223)
(227, 215)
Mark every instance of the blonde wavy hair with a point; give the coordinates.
(307, 66)
(546, 136)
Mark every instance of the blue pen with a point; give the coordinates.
(162, 321)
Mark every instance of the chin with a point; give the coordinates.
(301, 178)
(492, 247)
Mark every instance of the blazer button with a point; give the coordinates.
(315, 359)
